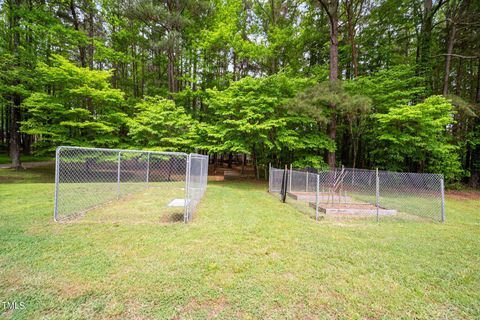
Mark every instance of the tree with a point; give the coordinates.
(78, 107)
(161, 125)
(425, 40)
(416, 138)
(316, 100)
(331, 9)
(249, 118)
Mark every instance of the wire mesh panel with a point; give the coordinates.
(132, 172)
(359, 192)
(415, 193)
(275, 180)
(196, 183)
(87, 178)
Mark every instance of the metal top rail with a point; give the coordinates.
(439, 175)
(123, 150)
(108, 176)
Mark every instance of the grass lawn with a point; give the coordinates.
(245, 255)
(5, 159)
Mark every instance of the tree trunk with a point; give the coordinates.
(351, 36)
(2, 124)
(230, 160)
(448, 58)
(14, 140)
(459, 78)
(171, 69)
(478, 82)
(76, 25)
(331, 8)
(334, 47)
(244, 163)
(26, 144)
(425, 40)
(14, 134)
(91, 34)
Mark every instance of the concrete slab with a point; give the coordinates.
(178, 203)
(322, 197)
(352, 209)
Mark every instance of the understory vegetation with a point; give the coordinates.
(388, 84)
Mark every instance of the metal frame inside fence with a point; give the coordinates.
(363, 192)
(86, 178)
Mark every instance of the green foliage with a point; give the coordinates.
(316, 101)
(159, 124)
(198, 53)
(310, 161)
(79, 106)
(389, 87)
(249, 117)
(416, 137)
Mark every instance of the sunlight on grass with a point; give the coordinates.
(245, 255)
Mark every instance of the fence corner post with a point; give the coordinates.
(442, 190)
(377, 192)
(269, 176)
(186, 213)
(57, 181)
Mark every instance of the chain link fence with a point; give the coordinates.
(87, 178)
(361, 193)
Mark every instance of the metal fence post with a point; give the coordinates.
(284, 184)
(118, 175)
(377, 192)
(206, 175)
(316, 198)
(148, 168)
(57, 180)
(306, 182)
(291, 178)
(186, 202)
(201, 174)
(442, 190)
(269, 176)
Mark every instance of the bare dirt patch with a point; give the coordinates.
(464, 194)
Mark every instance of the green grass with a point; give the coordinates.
(245, 255)
(5, 159)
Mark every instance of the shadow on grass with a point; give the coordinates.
(172, 218)
(32, 175)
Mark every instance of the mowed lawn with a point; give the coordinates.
(245, 255)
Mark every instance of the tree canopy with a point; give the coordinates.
(392, 84)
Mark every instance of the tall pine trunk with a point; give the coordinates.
(448, 59)
(14, 141)
(331, 8)
(351, 36)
